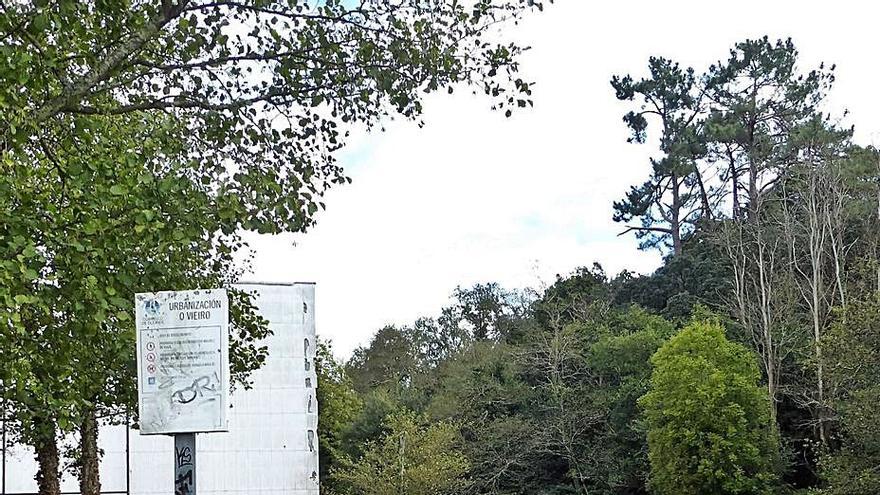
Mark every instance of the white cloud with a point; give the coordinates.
(476, 197)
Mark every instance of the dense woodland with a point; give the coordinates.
(140, 139)
(746, 364)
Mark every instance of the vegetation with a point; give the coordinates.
(854, 365)
(141, 139)
(707, 417)
(746, 364)
(426, 460)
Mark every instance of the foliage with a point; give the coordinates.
(151, 134)
(664, 203)
(229, 69)
(338, 405)
(853, 354)
(389, 362)
(412, 458)
(724, 134)
(758, 96)
(699, 275)
(577, 296)
(619, 362)
(553, 411)
(68, 348)
(706, 414)
(486, 311)
(81, 285)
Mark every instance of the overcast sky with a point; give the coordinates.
(474, 197)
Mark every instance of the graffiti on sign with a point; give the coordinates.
(183, 361)
(201, 387)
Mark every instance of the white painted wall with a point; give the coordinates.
(267, 447)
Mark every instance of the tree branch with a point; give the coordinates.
(111, 62)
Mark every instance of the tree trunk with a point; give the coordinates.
(734, 179)
(767, 329)
(820, 384)
(675, 211)
(753, 190)
(89, 478)
(704, 195)
(48, 478)
(751, 154)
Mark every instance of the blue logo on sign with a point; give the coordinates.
(152, 307)
(151, 380)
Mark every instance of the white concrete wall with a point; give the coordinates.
(267, 447)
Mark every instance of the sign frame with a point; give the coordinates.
(181, 334)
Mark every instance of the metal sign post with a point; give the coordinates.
(183, 371)
(185, 464)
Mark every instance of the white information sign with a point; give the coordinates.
(183, 361)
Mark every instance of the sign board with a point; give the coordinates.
(182, 361)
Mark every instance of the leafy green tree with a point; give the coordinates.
(853, 358)
(706, 414)
(151, 133)
(389, 362)
(581, 295)
(700, 275)
(69, 351)
(412, 458)
(370, 424)
(234, 71)
(485, 310)
(620, 370)
(555, 411)
(339, 406)
(482, 312)
(386, 376)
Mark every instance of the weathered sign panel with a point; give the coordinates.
(183, 361)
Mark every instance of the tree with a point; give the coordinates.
(853, 358)
(755, 99)
(816, 231)
(676, 195)
(338, 404)
(700, 275)
(581, 295)
(793, 261)
(198, 61)
(620, 370)
(481, 389)
(763, 297)
(555, 411)
(69, 350)
(484, 311)
(412, 458)
(171, 120)
(554, 364)
(389, 362)
(707, 417)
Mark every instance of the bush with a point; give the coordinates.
(708, 417)
(413, 458)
